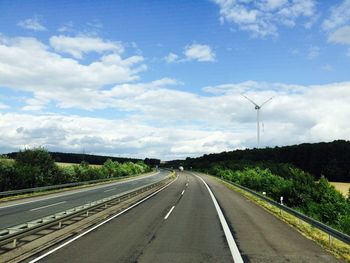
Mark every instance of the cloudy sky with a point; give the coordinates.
(164, 78)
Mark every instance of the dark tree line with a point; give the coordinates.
(332, 160)
(91, 159)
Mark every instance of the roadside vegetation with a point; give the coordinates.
(317, 199)
(36, 168)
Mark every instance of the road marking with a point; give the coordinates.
(109, 190)
(100, 224)
(79, 191)
(237, 258)
(186, 184)
(168, 214)
(183, 191)
(42, 207)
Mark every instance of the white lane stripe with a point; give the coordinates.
(79, 191)
(42, 207)
(237, 258)
(100, 224)
(183, 191)
(109, 190)
(168, 214)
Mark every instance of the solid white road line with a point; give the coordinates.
(183, 191)
(237, 258)
(42, 207)
(109, 190)
(168, 214)
(100, 224)
(78, 191)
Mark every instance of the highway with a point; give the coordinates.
(182, 224)
(21, 211)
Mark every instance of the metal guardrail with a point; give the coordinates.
(327, 229)
(58, 186)
(15, 233)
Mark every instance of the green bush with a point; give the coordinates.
(320, 200)
(36, 167)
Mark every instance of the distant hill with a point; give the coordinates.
(91, 159)
(329, 159)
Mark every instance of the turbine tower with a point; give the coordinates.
(257, 107)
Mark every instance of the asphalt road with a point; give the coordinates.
(181, 224)
(15, 213)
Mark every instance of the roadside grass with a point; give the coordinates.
(54, 191)
(341, 187)
(338, 248)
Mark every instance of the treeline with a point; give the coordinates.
(331, 160)
(91, 159)
(36, 167)
(317, 199)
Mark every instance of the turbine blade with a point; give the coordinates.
(267, 101)
(250, 100)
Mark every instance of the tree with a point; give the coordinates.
(35, 167)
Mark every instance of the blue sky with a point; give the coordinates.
(164, 78)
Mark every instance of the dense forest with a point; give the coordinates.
(331, 160)
(91, 159)
(36, 167)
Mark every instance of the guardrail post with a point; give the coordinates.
(330, 239)
(60, 224)
(87, 213)
(14, 243)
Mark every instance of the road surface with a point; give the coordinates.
(18, 212)
(181, 224)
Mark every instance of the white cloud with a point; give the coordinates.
(168, 123)
(313, 53)
(77, 46)
(340, 36)
(337, 25)
(263, 17)
(327, 68)
(67, 27)
(171, 57)
(340, 15)
(3, 106)
(32, 24)
(27, 64)
(199, 52)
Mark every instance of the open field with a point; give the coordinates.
(342, 187)
(69, 164)
(59, 163)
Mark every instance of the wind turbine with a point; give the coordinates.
(257, 107)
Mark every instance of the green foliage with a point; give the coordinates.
(36, 167)
(319, 200)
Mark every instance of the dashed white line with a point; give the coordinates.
(100, 224)
(109, 190)
(42, 207)
(237, 258)
(78, 191)
(183, 191)
(168, 214)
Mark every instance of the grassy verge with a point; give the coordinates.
(334, 246)
(54, 191)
